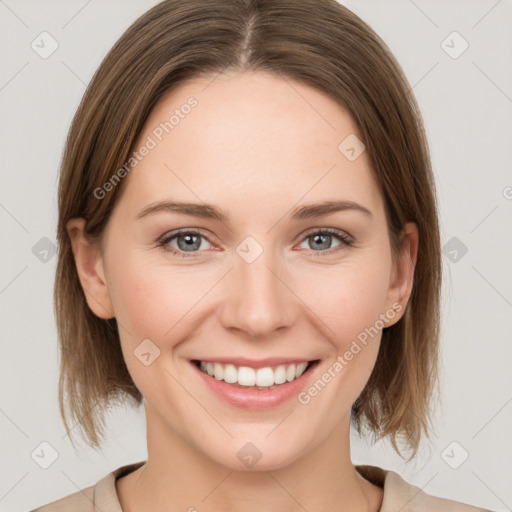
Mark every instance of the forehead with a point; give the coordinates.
(246, 137)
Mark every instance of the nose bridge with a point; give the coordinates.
(259, 301)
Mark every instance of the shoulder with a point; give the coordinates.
(399, 492)
(100, 496)
(80, 501)
(403, 496)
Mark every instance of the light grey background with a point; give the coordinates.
(467, 107)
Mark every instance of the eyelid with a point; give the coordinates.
(346, 240)
(332, 231)
(166, 238)
(343, 237)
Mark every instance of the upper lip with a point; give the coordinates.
(256, 363)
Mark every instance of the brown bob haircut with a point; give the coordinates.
(319, 43)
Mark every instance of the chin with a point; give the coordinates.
(254, 453)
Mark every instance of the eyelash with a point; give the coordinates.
(339, 235)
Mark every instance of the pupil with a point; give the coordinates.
(189, 241)
(320, 237)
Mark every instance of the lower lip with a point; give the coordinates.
(255, 399)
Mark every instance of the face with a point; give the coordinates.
(272, 283)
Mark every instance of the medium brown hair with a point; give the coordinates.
(318, 43)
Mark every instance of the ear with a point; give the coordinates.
(402, 275)
(89, 265)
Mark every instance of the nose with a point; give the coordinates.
(259, 299)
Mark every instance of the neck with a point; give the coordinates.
(177, 477)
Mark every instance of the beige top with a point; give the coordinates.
(398, 495)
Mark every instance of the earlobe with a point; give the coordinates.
(402, 279)
(90, 268)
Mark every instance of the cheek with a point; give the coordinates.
(352, 296)
(151, 302)
(156, 299)
(150, 299)
(350, 304)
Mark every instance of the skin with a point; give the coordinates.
(256, 147)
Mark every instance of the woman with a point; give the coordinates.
(249, 245)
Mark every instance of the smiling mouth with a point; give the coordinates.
(268, 377)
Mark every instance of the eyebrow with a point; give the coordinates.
(208, 211)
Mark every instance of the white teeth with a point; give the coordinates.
(264, 377)
(230, 373)
(218, 371)
(280, 374)
(301, 368)
(246, 376)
